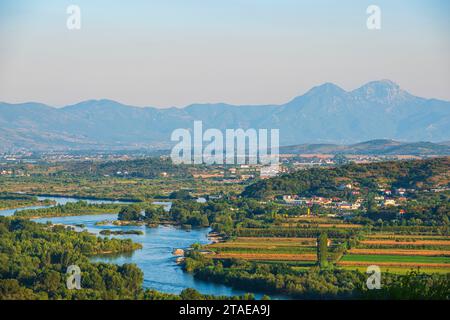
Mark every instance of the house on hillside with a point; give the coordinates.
(389, 203)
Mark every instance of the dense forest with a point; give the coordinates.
(34, 259)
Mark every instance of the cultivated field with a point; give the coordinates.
(293, 241)
(276, 245)
(400, 253)
(265, 248)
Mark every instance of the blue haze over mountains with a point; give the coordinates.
(326, 114)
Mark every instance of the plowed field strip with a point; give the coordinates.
(401, 252)
(256, 256)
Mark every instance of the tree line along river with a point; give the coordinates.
(155, 259)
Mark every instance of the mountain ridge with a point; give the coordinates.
(324, 114)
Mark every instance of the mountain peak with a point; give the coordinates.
(384, 84)
(326, 88)
(100, 104)
(381, 91)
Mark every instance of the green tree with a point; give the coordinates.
(180, 194)
(154, 213)
(322, 250)
(190, 294)
(130, 213)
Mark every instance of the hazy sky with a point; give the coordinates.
(176, 52)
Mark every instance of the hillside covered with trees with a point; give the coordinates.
(418, 174)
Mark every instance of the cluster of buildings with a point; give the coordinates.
(9, 172)
(334, 202)
(6, 172)
(238, 173)
(386, 198)
(392, 198)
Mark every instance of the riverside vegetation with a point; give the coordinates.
(13, 201)
(34, 259)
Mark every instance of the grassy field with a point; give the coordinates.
(98, 188)
(402, 242)
(404, 237)
(114, 188)
(400, 252)
(400, 270)
(395, 258)
(269, 249)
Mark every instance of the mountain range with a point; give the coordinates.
(326, 114)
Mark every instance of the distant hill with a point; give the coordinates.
(324, 115)
(417, 174)
(378, 147)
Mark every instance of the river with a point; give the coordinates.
(155, 258)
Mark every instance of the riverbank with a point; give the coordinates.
(12, 200)
(93, 198)
(216, 237)
(69, 210)
(26, 205)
